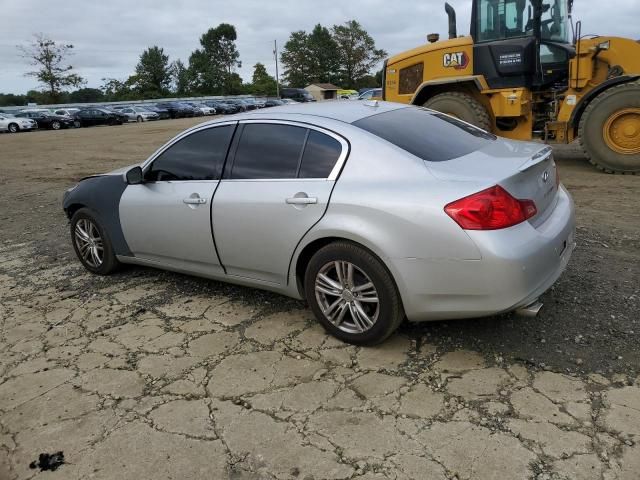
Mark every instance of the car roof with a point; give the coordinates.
(342, 111)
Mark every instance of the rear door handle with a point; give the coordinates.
(301, 200)
(194, 199)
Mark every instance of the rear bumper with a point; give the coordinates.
(517, 265)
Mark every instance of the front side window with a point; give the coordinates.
(429, 135)
(268, 151)
(199, 156)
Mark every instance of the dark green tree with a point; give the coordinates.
(86, 95)
(295, 58)
(181, 78)
(153, 73)
(117, 90)
(357, 53)
(51, 70)
(322, 55)
(211, 67)
(262, 83)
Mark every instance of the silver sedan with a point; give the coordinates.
(372, 212)
(139, 114)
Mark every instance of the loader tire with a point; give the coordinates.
(609, 129)
(463, 106)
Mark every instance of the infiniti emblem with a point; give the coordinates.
(545, 176)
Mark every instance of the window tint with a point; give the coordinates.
(321, 153)
(199, 156)
(429, 135)
(268, 151)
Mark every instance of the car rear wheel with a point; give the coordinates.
(91, 243)
(55, 125)
(139, 119)
(352, 294)
(77, 124)
(13, 128)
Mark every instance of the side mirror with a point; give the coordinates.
(134, 176)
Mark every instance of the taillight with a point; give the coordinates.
(490, 209)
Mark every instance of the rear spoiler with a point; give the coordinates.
(537, 158)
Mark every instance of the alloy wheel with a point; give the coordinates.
(89, 242)
(347, 297)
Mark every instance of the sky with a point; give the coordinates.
(109, 35)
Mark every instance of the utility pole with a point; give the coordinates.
(275, 53)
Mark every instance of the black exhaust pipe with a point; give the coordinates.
(451, 13)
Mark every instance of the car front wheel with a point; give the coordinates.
(91, 243)
(13, 128)
(352, 294)
(55, 125)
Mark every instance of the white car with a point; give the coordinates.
(67, 112)
(205, 109)
(11, 124)
(139, 114)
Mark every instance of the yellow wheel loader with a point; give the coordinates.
(520, 75)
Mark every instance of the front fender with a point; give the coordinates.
(102, 195)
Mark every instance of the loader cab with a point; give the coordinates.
(521, 43)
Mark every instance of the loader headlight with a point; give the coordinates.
(604, 45)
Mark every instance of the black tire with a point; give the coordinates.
(109, 263)
(390, 313)
(463, 106)
(139, 119)
(594, 122)
(55, 125)
(13, 128)
(77, 124)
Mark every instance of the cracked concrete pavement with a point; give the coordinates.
(154, 375)
(131, 380)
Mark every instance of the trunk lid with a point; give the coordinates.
(526, 170)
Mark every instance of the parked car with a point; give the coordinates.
(222, 107)
(373, 94)
(297, 94)
(69, 112)
(12, 124)
(405, 212)
(258, 102)
(239, 103)
(46, 119)
(272, 102)
(89, 117)
(163, 113)
(176, 109)
(288, 101)
(205, 109)
(139, 114)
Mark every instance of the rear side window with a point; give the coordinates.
(199, 156)
(321, 152)
(429, 135)
(268, 151)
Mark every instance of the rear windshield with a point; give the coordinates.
(429, 135)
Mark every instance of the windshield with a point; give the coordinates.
(500, 19)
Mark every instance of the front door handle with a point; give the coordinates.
(301, 200)
(194, 199)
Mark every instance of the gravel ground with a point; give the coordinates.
(149, 374)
